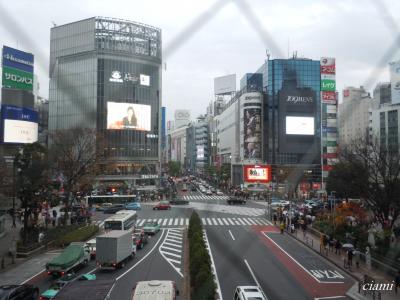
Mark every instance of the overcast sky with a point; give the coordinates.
(358, 33)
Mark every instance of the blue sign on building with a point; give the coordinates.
(163, 122)
(17, 59)
(329, 129)
(10, 112)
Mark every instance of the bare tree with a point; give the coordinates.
(75, 154)
(373, 171)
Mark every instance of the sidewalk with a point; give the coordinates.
(11, 234)
(357, 273)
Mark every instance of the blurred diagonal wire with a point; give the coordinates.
(193, 27)
(248, 13)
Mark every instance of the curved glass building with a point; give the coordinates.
(105, 74)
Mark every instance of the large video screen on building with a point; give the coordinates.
(20, 125)
(300, 125)
(128, 116)
(252, 133)
(257, 173)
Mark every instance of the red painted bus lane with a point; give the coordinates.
(311, 280)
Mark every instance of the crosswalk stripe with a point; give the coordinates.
(251, 221)
(230, 221)
(247, 222)
(257, 221)
(170, 222)
(209, 221)
(224, 220)
(176, 222)
(159, 221)
(220, 221)
(203, 220)
(214, 221)
(187, 221)
(241, 221)
(181, 222)
(141, 222)
(165, 222)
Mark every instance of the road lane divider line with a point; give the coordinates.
(37, 274)
(213, 267)
(252, 275)
(143, 258)
(230, 232)
(300, 265)
(330, 297)
(171, 249)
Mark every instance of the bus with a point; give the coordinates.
(115, 199)
(122, 220)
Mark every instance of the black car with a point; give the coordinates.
(113, 209)
(178, 202)
(235, 200)
(20, 292)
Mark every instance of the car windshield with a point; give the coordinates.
(149, 224)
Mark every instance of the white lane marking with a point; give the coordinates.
(224, 220)
(209, 221)
(219, 221)
(187, 221)
(171, 249)
(214, 221)
(101, 224)
(144, 257)
(246, 221)
(257, 221)
(233, 238)
(173, 245)
(159, 221)
(165, 222)
(176, 230)
(331, 297)
(203, 221)
(171, 233)
(172, 254)
(301, 266)
(174, 238)
(252, 274)
(214, 269)
(30, 278)
(141, 222)
(177, 262)
(176, 222)
(170, 222)
(181, 222)
(241, 221)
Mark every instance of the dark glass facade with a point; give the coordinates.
(86, 59)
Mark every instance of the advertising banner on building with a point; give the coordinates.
(328, 85)
(200, 152)
(20, 125)
(395, 81)
(316, 186)
(328, 65)
(328, 97)
(257, 173)
(17, 59)
(128, 116)
(17, 79)
(252, 133)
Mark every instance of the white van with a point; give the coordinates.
(155, 290)
(249, 292)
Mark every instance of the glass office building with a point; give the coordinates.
(105, 74)
(292, 116)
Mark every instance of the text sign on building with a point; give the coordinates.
(17, 79)
(257, 173)
(17, 59)
(328, 65)
(328, 97)
(20, 125)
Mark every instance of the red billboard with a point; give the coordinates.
(257, 173)
(328, 65)
(328, 97)
(327, 168)
(330, 155)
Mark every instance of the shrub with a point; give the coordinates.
(201, 277)
(78, 235)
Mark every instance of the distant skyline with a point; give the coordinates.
(356, 33)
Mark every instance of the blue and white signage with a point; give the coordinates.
(20, 125)
(17, 59)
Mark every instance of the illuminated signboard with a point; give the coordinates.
(257, 173)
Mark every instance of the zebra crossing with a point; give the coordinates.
(172, 249)
(216, 221)
(205, 197)
(228, 209)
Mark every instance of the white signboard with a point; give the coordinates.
(225, 84)
(144, 80)
(17, 131)
(300, 125)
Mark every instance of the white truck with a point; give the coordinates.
(114, 248)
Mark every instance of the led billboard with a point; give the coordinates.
(128, 116)
(252, 133)
(20, 125)
(200, 152)
(257, 173)
(300, 125)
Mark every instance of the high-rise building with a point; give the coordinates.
(386, 126)
(354, 115)
(382, 94)
(395, 81)
(105, 74)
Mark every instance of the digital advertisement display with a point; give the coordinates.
(200, 152)
(300, 125)
(128, 116)
(252, 133)
(20, 125)
(257, 173)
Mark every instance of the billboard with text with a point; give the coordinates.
(20, 125)
(128, 116)
(257, 173)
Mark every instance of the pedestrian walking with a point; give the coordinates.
(275, 218)
(54, 220)
(282, 226)
(337, 247)
(397, 281)
(350, 257)
(331, 243)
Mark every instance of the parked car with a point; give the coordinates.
(133, 206)
(219, 193)
(13, 291)
(151, 227)
(113, 209)
(208, 193)
(162, 205)
(249, 293)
